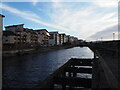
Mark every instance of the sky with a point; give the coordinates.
(88, 20)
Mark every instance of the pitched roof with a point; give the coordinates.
(14, 25)
(41, 30)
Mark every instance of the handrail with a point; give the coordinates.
(112, 81)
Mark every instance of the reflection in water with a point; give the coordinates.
(27, 70)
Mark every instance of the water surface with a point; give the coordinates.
(27, 70)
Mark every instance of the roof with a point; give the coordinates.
(8, 33)
(41, 30)
(54, 32)
(2, 15)
(63, 33)
(14, 25)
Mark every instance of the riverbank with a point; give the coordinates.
(16, 52)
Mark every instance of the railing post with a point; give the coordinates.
(94, 55)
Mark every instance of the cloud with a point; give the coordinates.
(82, 21)
(29, 16)
(106, 3)
(73, 18)
(34, 2)
(18, 12)
(106, 33)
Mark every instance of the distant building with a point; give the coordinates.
(71, 39)
(24, 37)
(9, 39)
(20, 37)
(75, 39)
(64, 38)
(43, 35)
(60, 39)
(54, 39)
(68, 38)
(40, 39)
(15, 28)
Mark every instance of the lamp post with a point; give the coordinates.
(101, 38)
(113, 36)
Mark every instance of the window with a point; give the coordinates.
(51, 36)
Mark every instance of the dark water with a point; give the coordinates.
(27, 70)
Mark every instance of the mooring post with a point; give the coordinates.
(94, 55)
(64, 75)
(74, 74)
(63, 87)
(69, 74)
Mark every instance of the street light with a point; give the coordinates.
(113, 36)
(101, 38)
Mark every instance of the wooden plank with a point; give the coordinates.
(79, 59)
(81, 62)
(78, 70)
(73, 81)
(48, 82)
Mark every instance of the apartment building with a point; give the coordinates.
(71, 39)
(9, 39)
(18, 36)
(64, 38)
(68, 38)
(43, 35)
(54, 39)
(60, 39)
(24, 37)
(15, 28)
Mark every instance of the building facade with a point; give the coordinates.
(64, 38)
(15, 28)
(43, 35)
(60, 39)
(54, 39)
(20, 37)
(9, 39)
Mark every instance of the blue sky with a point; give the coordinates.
(86, 20)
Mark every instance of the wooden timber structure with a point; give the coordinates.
(66, 77)
(105, 72)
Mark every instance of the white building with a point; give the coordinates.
(54, 38)
(60, 39)
(64, 38)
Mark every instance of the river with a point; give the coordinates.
(27, 70)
